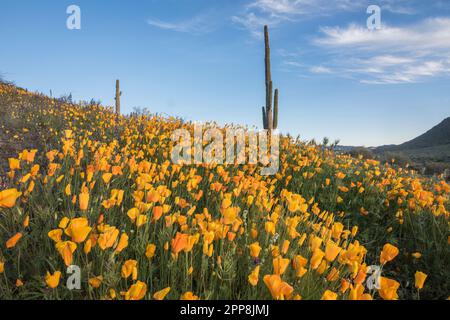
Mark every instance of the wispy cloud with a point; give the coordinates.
(200, 24)
(321, 70)
(391, 55)
(254, 23)
(275, 12)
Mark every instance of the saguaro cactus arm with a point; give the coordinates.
(264, 114)
(118, 94)
(270, 112)
(275, 110)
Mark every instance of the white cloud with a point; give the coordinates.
(320, 70)
(199, 24)
(253, 23)
(431, 34)
(406, 54)
(274, 12)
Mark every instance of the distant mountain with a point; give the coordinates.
(437, 136)
(429, 152)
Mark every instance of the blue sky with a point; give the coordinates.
(203, 60)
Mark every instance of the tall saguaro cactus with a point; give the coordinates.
(270, 113)
(118, 94)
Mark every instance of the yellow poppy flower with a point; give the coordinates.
(129, 268)
(150, 251)
(255, 250)
(11, 243)
(52, 280)
(66, 250)
(136, 292)
(388, 254)
(388, 290)
(253, 278)
(420, 278)
(95, 282)
(78, 229)
(160, 295)
(329, 295)
(123, 243)
(189, 296)
(8, 198)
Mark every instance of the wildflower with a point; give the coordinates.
(150, 251)
(141, 220)
(87, 246)
(333, 275)
(19, 283)
(285, 246)
(331, 251)
(26, 222)
(123, 243)
(388, 290)
(160, 295)
(253, 278)
(84, 201)
(52, 280)
(11, 243)
(329, 295)
(136, 292)
(157, 213)
(108, 237)
(316, 258)
(270, 227)
(78, 229)
(189, 296)
(388, 254)
(106, 177)
(68, 190)
(278, 288)
(133, 214)
(357, 293)
(255, 249)
(280, 265)
(299, 265)
(55, 235)
(179, 243)
(95, 282)
(337, 230)
(129, 268)
(315, 243)
(66, 250)
(192, 240)
(64, 222)
(8, 198)
(14, 164)
(420, 278)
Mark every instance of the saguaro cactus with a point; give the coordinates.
(118, 94)
(270, 114)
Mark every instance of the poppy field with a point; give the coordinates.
(83, 188)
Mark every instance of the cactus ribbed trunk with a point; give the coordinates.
(270, 112)
(275, 110)
(118, 94)
(264, 114)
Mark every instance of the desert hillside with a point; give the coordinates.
(82, 186)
